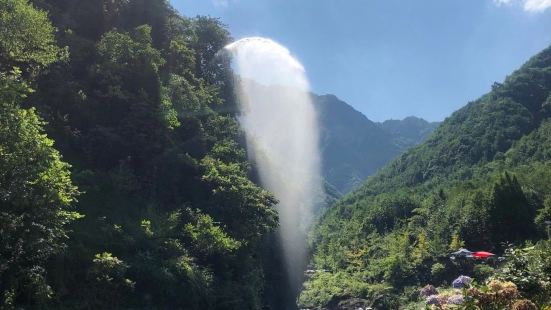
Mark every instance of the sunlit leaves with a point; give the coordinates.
(35, 192)
(26, 36)
(209, 238)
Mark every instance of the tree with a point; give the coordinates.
(26, 37)
(130, 111)
(212, 36)
(511, 214)
(35, 195)
(544, 216)
(456, 242)
(108, 278)
(421, 250)
(35, 185)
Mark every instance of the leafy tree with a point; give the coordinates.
(207, 238)
(511, 214)
(421, 249)
(109, 282)
(456, 242)
(544, 216)
(151, 135)
(26, 37)
(36, 191)
(35, 195)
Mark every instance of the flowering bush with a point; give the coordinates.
(504, 289)
(456, 299)
(495, 295)
(436, 300)
(461, 282)
(428, 290)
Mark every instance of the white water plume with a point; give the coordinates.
(280, 122)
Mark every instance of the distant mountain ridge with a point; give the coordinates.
(354, 147)
(409, 131)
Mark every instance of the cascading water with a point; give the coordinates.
(280, 122)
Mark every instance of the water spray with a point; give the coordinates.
(280, 122)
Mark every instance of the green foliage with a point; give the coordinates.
(420, 251)
(208, 238)
(324, 287)
(456, 242)
(530, 269)
(26, 37)
(142, 111)
(146, 226)
(232, 191)
(437, 271)
(544, 215)
(107, 275)
(36, 191)
(480, 180)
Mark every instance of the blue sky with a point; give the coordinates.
(394, 58)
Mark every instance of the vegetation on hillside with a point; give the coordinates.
(354, 147)
(157, 209)
(481, 180)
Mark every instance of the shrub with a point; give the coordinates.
(438, 271)
(494, 295)
(461, 282)
(428, 290)
(524, 304)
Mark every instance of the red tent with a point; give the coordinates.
(482, 255)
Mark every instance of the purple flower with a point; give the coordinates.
(428, 290)
(436, 300)
(433, 300)
(461, 282)
(456, 300)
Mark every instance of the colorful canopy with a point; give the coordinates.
(482, 255)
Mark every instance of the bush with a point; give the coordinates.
(530, 269)
(524, 304)
(494, 295)
(438, 272)
(482, 272)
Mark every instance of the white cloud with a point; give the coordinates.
(221, 3)
(527, 5)
(536, 5)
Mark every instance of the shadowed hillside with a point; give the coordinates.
(353, 147)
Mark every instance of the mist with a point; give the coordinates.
(280, 122)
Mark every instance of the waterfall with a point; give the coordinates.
(280, 122)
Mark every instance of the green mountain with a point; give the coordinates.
(123, 180)
(354, 147)
(481, 180)
(410, 131)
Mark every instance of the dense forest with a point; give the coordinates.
(123, 180)
(482, 181)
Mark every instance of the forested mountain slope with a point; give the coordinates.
(354, 147)
(409, 131)
(157, 210)
(482, 180)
